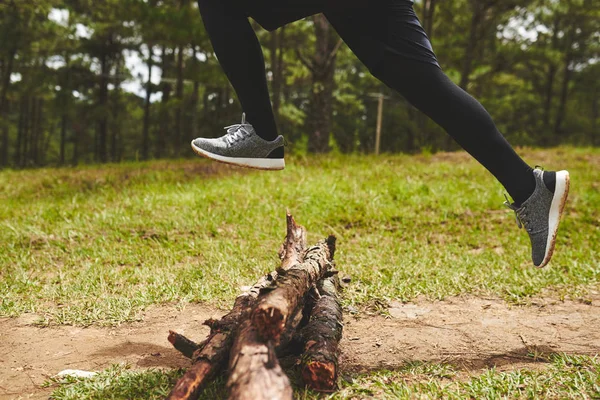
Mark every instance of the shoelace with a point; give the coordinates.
(520, 214)
(238, 131)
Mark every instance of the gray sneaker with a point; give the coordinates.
(243, 147)
(540, 215)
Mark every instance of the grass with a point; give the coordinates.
(564, 376)
(98, 244)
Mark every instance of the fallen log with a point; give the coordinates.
(211, 356)
(254, 370)
(275, 308)
(321, 337)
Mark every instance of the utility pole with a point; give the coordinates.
(380, 97)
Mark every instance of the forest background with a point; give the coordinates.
(85, 81)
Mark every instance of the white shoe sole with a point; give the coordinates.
(556, 210)
(270, 164)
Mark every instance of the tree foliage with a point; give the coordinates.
(98, 81)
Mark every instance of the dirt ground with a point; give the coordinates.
(471, 333)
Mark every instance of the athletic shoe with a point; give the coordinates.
(243, 147)
(540, 214)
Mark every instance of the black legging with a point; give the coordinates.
(387, 37)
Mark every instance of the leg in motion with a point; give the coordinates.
(391, 42)
(253, 143)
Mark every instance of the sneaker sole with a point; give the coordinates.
(559, 199)
(265, 164)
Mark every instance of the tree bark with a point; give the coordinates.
(27, 122)
(594, 116)
(3, 104)
(20, 131)
(276, 47)
(321, 337)
(184, 345)
(115, 127)
(254, 370)
(146, 128)
(102, 105)
(255, 373)
(564, 92)
(322, 68)
(163, 133)
(195, 97)
(476, 19)
(275, 308)
(428, 13)
(64, 119)
(548, 95)
(213, 352)
(179, 96)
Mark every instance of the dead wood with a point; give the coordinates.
(321, 337)
(211, 356)
(254, 370)
(183, 344)
(276, 307)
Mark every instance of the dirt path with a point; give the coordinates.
(471, 333)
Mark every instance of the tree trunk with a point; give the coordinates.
(101, 142)
(275, 308)
(115, 127)
(163, 133)
(564, 93)
(428, 14)
(195, 99)
(77, 133)
(5, 144)
(28, 122)
(64, 120)
(20, 131)
(179, 96)
(476, 19)
(3, 105)
(594, 131)
(39, 132)
(319, 120)
(548, 96)
(145, 145)
(276, 46)
(33, 131)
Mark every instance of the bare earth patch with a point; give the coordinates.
(471, 333)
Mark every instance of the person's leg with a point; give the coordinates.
(389, 39)
(240, 54)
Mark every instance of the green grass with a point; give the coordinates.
(564, 376)
(96, 245)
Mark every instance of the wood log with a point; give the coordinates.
(183, 344)
(254, 370)
(321, 337)
(276, 307)
(212, 354)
